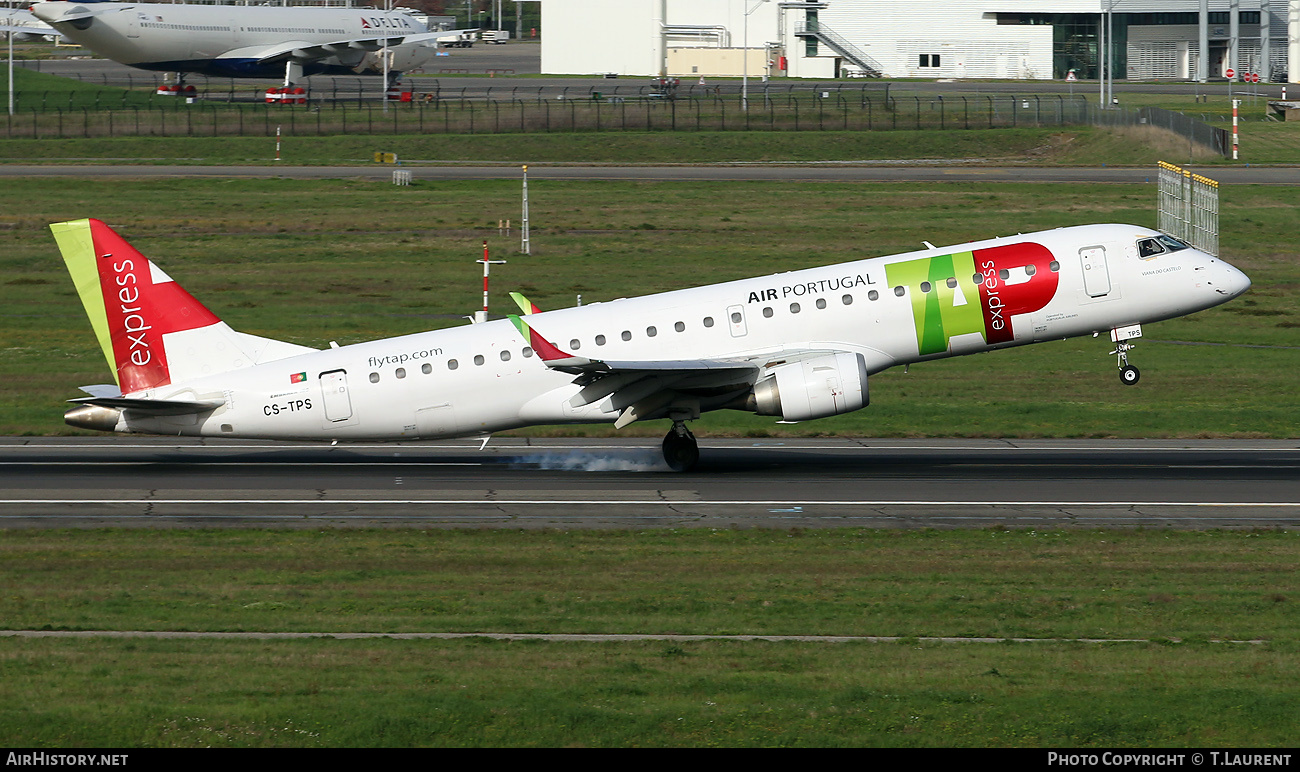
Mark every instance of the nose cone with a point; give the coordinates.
(1233, 280)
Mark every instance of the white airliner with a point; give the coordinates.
(244, 41)
(798, 345)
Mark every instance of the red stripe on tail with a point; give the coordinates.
(140, 312)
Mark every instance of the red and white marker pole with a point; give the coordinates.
(1235, 102)
(277, 143)
(481, 316)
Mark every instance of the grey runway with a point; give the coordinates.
(571, 484)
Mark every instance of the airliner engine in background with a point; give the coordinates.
(798, 345)
(245, 41)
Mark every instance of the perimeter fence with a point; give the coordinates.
(108, 113)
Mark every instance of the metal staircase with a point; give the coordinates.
(841, 46)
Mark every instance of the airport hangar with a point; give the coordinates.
(1016, 39)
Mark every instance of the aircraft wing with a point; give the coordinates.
(640, 388)
(26, 23)
(557, 359)
(304, 51)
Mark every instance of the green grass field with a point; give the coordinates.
(348, 260)
(1197, 587)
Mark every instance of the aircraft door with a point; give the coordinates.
(335, 397)
(736, 318)
(1096, 277)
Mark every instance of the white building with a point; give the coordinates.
(1035, 39)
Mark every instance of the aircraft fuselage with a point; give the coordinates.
(227, 41)
(886, 311)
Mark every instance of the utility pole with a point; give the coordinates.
(11, 72)
(524, 245)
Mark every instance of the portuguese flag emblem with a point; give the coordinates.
(297, 377)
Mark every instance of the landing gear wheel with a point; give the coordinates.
(1129, 375)
(681, 452)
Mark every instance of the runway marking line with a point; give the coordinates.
(677, 502)
(577, 637)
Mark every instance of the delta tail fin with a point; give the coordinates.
(153, 333)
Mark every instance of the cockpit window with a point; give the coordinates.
(1150, 248)
(1158, 245)
(1172, 244)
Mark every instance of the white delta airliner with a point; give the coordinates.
(244, 41)
(797, 345)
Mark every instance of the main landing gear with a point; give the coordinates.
(681, 452)
(1128, 374)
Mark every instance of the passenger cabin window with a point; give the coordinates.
(426, 368)
(401, 372)
(600, 340)
(708, 321)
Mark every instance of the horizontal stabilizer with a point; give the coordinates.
(153, 406)
(102, 390)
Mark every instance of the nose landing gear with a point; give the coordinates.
(1128, 374)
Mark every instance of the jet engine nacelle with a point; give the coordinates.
(403, 58)
(814, 388)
